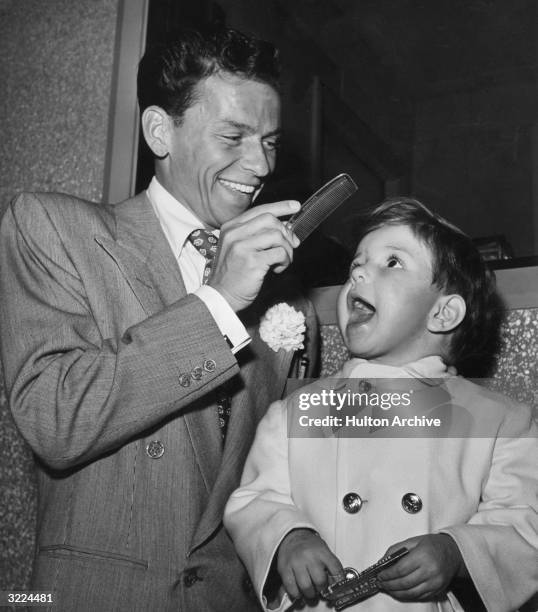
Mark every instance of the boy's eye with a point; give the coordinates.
(394, 262)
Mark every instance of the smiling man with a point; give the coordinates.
(130, 345)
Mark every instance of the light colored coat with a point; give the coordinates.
(110, 369)
(480, 490)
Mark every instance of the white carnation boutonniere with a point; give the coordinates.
(283, 327)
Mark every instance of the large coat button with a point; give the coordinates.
(411, 503)
(155, 449)
(352, 503)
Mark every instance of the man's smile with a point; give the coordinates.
(241, 187)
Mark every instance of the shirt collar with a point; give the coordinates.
(176, 220)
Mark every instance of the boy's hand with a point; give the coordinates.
(304, 562)
(433, 560)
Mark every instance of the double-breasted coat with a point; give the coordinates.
(476, 481)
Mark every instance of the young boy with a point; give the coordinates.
(418, 305)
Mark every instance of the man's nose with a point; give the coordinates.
(257, 159)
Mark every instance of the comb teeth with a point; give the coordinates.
(320, 205)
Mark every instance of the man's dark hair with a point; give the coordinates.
(168, 73)
(457, 268)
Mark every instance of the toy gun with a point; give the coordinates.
(358, 586)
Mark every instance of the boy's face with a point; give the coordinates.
(384, 308)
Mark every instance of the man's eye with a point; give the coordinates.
(394, 262)
(232, 138)
(271, 145)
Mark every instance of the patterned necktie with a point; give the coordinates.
(206, 243)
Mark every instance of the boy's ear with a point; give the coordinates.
(156, 127)
(447, 313)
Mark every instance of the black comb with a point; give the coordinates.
(320, 205)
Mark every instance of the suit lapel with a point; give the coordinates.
(143, 255)
(262, 379)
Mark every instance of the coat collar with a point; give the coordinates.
(431, 367)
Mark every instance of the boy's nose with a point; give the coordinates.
(359, 274)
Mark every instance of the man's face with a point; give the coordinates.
(384, 308)
(224, 148)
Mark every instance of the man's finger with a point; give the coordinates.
(264, 251)
(258, 226)
(277, 209)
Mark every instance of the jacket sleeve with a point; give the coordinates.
(261, 511)
(75, 394)
(499, 544)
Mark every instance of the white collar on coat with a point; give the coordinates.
(427, 367)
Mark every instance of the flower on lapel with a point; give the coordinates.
(283, 327)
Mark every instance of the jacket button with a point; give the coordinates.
(210, 365)
(365, 386)
(411, 503)
(352, 503)
(155, 449)
(184, 380)
(190, 577)
(196, 373)
(248, 588)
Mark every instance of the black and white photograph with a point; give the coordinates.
(269, 305)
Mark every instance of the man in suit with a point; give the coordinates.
(138, 384)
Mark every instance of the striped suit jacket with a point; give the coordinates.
(111, 370)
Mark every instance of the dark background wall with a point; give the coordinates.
(433, 99)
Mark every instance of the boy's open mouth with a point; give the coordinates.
(362, 310)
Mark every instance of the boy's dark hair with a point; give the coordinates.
(168, 73)
(457, 268)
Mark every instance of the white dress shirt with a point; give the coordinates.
(177, 222)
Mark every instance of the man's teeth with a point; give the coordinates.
(238, 186)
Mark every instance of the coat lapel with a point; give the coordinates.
(143, 255)
(262, 379)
